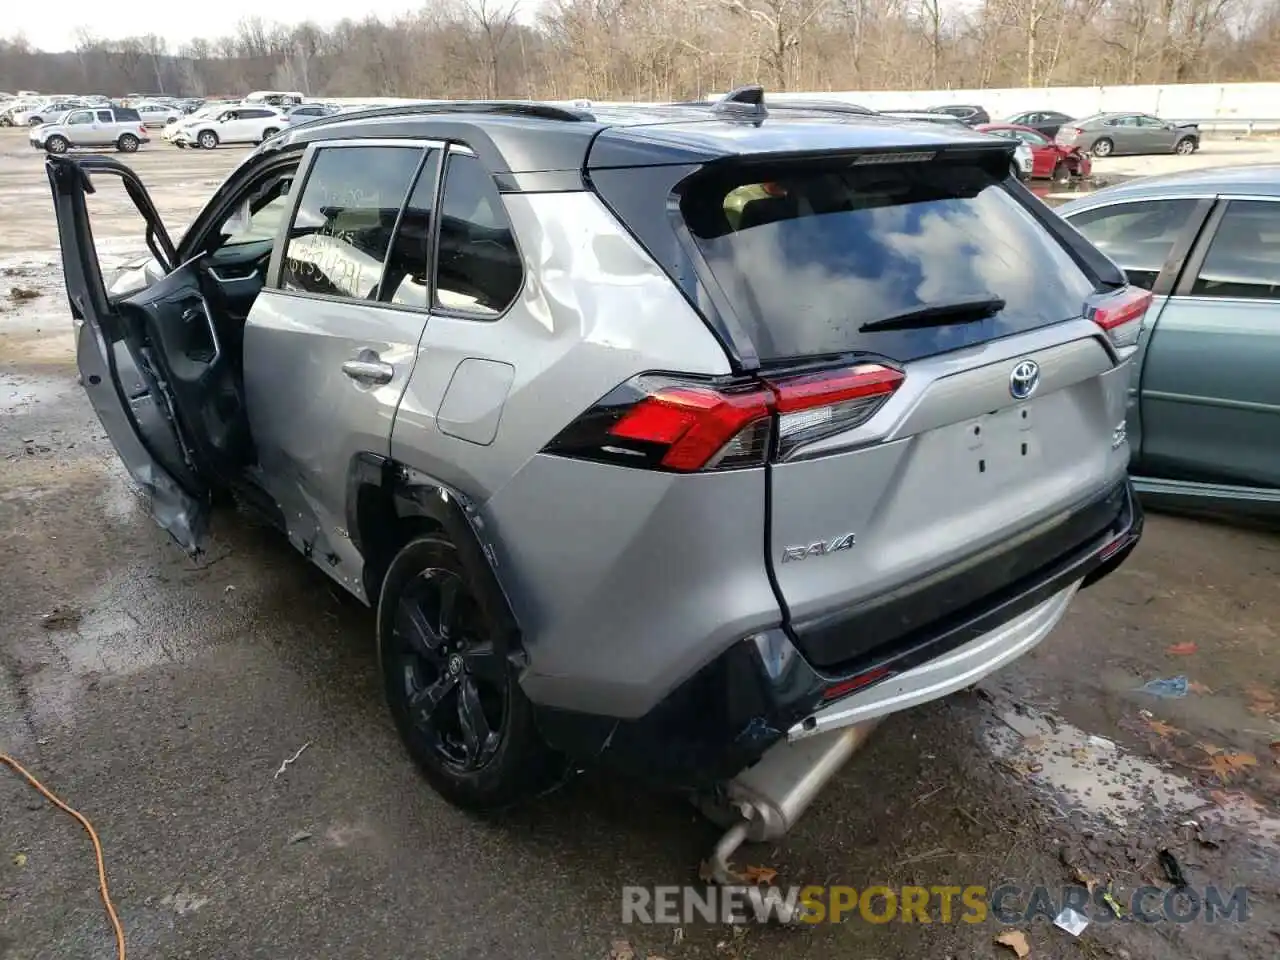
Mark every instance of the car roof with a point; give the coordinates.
(1262, 179)
(526, 137)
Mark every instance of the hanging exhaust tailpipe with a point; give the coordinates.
(774, 793)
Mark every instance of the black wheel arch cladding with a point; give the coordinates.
(387, 501)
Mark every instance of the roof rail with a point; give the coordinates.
(511, 108)
(745, 101)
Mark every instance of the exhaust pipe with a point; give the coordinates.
(774, 793)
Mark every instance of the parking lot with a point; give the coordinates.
(161, 697)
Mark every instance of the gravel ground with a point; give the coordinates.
(161, 697)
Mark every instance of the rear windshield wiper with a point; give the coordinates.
(938, 315)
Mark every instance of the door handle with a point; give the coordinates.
(369, 371)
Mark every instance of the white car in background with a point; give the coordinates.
(44, 113)
(239, 123)
(157, 114)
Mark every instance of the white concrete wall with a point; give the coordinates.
(1227, 104)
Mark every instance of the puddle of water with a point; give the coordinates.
(18, 393)
(1100, 778)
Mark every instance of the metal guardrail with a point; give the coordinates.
(1233, 125)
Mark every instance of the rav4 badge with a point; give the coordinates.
(819, 548)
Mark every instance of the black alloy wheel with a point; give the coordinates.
(453, 682)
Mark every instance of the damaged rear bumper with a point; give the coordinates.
(762, 691)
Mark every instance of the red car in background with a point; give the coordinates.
(1051, 161)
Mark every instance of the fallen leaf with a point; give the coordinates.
(759, 874)
(1275, 746)
(1083, 878)
(1181, 649)
(1113, 904)
(1034, 742)
(1199, 688)
(1016, 941)
(1263, 701)
(1223, 765)
(19, 859)
(1237, 801)
(1161, 728)
(621, 950)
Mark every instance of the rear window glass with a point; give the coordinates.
(807, 257)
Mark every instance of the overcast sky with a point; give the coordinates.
(53, 27)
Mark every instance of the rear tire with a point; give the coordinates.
(268, 133)
(127, 143)
(57, 144)
(1103, 148)
(452, 690)
(1061, 173)
(1185, 147)
(208, 140)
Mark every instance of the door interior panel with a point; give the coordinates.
(197, 350)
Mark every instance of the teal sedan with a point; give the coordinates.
(1204, 402)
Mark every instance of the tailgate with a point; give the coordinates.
(958, 420)
(951, 493)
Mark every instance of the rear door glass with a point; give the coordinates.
(1138, 236)
(342, 228)
(478, 268)
(408, 260)
(1243, 261)
(807, 256)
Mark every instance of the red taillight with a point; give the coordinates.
(821, 389)
(1121, 314)
(668, 424)
(817, 405)
(142, 128)
(693, 423)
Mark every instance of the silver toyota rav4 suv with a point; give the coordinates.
(687, 440)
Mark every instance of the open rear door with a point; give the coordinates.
(117, 364)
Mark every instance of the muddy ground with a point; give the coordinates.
(160, 698)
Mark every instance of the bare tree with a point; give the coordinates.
(676, 49)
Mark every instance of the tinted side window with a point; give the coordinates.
(1138, 236)
(104, 116)
(1244, 255)
(343, 225)
(127, 115)
(478, 266)
(407, 262)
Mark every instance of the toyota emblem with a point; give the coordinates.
(1024, 379)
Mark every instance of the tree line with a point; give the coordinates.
(679, 49)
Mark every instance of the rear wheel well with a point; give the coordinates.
(382, 532)
(390, 505)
